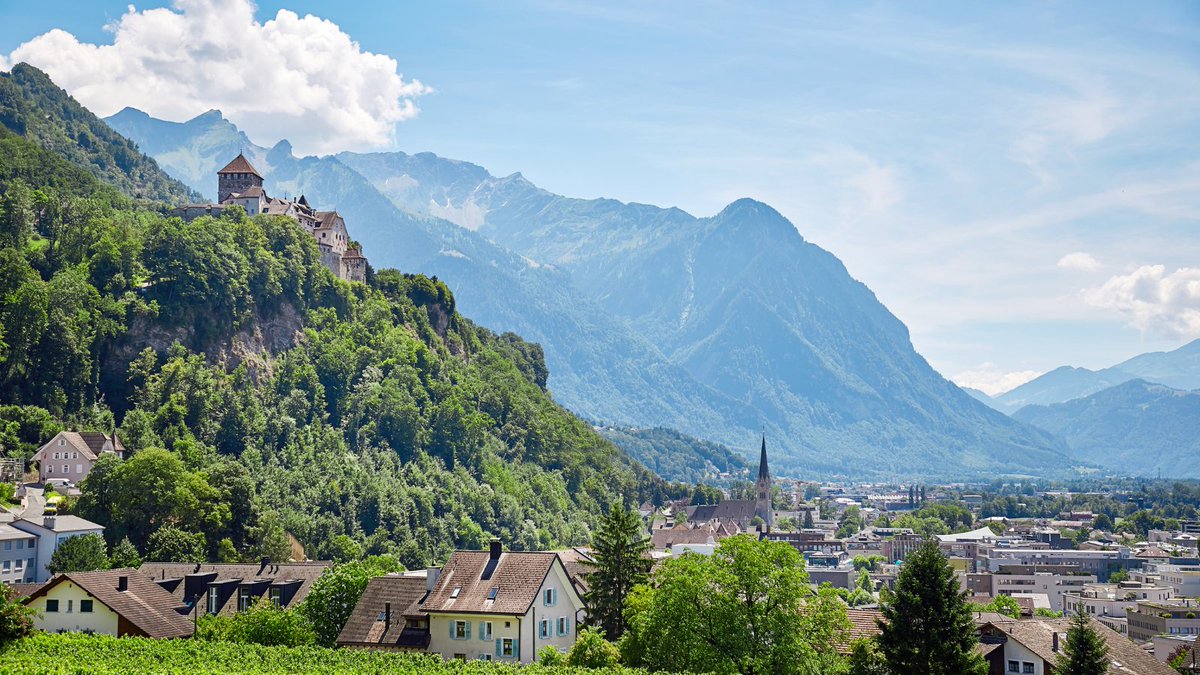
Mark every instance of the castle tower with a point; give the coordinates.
(762, 501)
(237, 177)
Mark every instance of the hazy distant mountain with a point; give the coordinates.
(718, 326)
(1179, 369)
(678, 457)
(1135, 427)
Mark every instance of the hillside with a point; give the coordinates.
(1179, 369)
(679, 457)
(374, 417)
(651, 317)
(1136, 427)
(34, 107)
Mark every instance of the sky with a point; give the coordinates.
(1018, 182)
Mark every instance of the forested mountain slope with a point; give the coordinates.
(373, 417)
(1137, 427)
(679, 457)
(719, 327)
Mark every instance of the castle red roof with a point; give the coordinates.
(240, 165)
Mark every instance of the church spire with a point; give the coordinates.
(762, 489)
(763, 472)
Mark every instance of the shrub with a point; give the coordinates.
(591, 650)
(550, 657)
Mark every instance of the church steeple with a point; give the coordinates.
(762, 489)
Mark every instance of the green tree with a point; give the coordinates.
(1118, 576)
(342, 549)
(866, 659)
(124, 554)
(927, 625)
(550, 657)
(335, 593)
(747, 608)
(591, 650)
(808, 519)
(1084, 652)
(16, 618)
(266, 624)
(1001, 604)
(171, 544)
(621, 553)
(84, 553)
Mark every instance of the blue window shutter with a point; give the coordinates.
(498, 648)
(516, 648)
(468, 627)
(554, 597)
(452, 623)
(482, 632)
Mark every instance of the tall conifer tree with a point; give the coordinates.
(621, 550)
(927, 625)
(1084, 651)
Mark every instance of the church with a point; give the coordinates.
(239, 183)
(747, 514)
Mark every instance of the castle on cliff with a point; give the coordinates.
(239, 183)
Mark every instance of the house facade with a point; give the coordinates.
(504, 606)
(71, 454)
(110, 602)
(50, 532)
(18, 555)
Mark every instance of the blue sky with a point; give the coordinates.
(1018, 182)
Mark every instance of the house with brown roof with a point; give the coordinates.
(228, 588)
(110, 602)
(502, 605)
(71, 454)
(1033, 647)
(388, 616)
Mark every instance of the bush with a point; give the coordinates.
(16, 620)
(550, 657)
(591, 650)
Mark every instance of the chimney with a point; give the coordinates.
(432, 574)
(265, 562)
(48, 522)
(387, 616)
(122, 583)
(1054, 644)
(495, 549)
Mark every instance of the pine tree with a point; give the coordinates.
(808, 519)
(927, 625)
(621, 551)
(1084, 652)
(125, 554)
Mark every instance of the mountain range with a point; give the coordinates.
(720, 327)
(1178, 369)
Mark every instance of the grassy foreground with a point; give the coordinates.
(72, 653)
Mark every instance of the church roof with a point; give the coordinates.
(240, 165)
(763, 472)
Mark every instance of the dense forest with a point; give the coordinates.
(679, 457)
(369, 418)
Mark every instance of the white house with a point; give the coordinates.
(50, 532)
(498, 605)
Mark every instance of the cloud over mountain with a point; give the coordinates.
(294, 77)
(1154, 300)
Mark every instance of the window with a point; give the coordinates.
(66, 468)
(61, 443)
(454, 591)
(51, 605)
(56, 456)
(508, 647)
(33, 543)
(85, 606)
(7, 565)
(460, 630)
(1014, 666)
(213, 601)
(1026, 667)
(20, 544)
(70, 606)
(492, 592)
(551, 596)
(485, 630)
(8, 546)
(78, 468)
(564, 627)
(544, 629)
(49, 469)
(276, 595)
(244, 600)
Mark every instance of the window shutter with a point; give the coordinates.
(452, 623)
(516, 648)
(468, 627)
(497, 647)
(482, 631)
(553, 597)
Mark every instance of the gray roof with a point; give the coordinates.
(10, 532)
(60, 523)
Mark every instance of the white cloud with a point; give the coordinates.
(989, 379)
(293, 77)
(875, 187)
(1155, 301)
(1080, 261)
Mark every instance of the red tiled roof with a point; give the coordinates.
(517, 576)
(240, 165)
(145, 605)
(368, 626)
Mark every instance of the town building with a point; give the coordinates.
(225, 589)
(1167, 617)
(240, 184)
(110, 602)
(1098, 563)
(1031, 580)
(1183, 579)
(1109, 603)
(18, 555)
(502, 605)
(1033, 647)
(388, 616)
(70, 455)
(50, 532)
